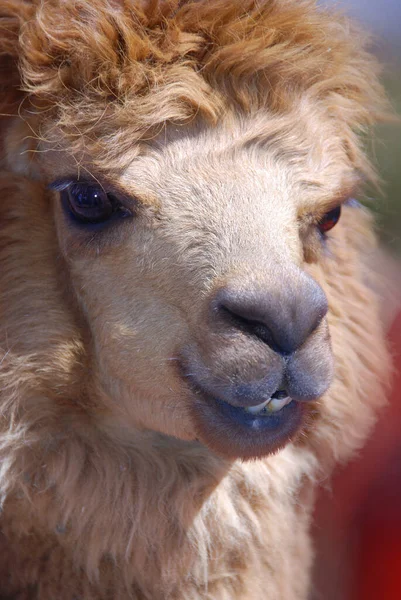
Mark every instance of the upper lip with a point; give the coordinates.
(247, 402)
(241, 395)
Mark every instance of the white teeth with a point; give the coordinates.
(256, 409)
(277, 404)
(271, 405)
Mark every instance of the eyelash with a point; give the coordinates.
(89, 205)
(329, 220)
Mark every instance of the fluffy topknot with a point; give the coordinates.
(116, 72)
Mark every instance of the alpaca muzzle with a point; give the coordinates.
(268, 356)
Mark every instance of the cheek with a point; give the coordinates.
(132, 327)
(135, 335)
(140, 379)
(132, 343)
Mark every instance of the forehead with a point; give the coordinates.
(289, 156)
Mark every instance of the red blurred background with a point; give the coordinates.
(358, 521)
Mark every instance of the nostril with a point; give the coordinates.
(265, 334)
(283, 319)
(251, 326)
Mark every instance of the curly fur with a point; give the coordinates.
(112, 75)
(92, 506)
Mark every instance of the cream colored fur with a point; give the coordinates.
(106, 491)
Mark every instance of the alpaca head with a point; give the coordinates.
(195, 164)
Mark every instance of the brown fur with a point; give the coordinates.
(231, 127)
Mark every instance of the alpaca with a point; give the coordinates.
(190, 338)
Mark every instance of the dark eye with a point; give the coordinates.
(89, 203)
(329, 220)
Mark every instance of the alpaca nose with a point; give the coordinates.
(282, 317)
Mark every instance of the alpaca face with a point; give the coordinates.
(189, 268)
(198, 255)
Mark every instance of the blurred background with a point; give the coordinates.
(383, 19)
(358, 516)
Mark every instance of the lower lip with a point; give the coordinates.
(235, 433)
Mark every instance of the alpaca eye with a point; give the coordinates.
(329, 220)
(89, 203)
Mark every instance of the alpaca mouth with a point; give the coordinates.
(246, 432)
(276, 402)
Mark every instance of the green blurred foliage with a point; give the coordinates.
(387, 156)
